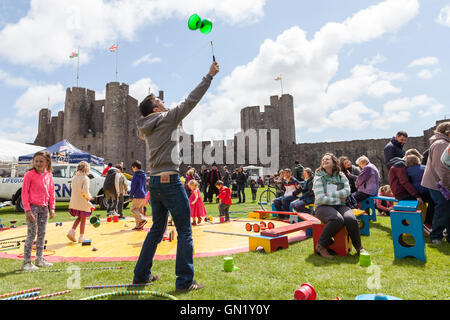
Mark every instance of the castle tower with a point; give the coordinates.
(78, 110)
(45, 116)
(115, 127)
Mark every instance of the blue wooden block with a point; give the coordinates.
(365, 228)
(407, 222)
(406, 205)
(368, 205)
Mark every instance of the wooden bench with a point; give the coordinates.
(307, 223)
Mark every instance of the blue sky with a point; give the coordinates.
(358, 69)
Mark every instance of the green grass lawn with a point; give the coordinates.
(273, 276)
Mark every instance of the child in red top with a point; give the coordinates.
(225, 200)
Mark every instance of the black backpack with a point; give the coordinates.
(110, 178)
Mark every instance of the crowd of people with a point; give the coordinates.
(335, 187)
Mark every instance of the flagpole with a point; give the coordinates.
(78, 66)
(281, 82)
(117, 59)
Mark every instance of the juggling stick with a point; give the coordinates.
(19, 292)
(11, 248)
(1, 240)
(131, 293)
(117, 286)
(212, 49)
(26, 295)
(50, 295)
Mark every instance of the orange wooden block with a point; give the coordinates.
(342, 244)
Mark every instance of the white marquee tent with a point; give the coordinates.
(10, 151)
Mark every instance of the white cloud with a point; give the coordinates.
(444, 16)
(52, 29)
(14, 81)
(141, 88)
(401, 110)
(308, 68)
(427, 73)
(425, 61)
(146, 59)
(36, 98)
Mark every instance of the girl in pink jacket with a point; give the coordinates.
(38, 198)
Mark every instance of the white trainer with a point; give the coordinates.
(43, 263)
(71, 235)
(29, 266)
(81, 239)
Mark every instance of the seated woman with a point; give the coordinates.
(351, 171)
(331, 188)
(307, 194)
(383, 206)
(368, 181)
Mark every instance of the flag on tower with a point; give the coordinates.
(73, 55)
(113, 48)
(277, 78)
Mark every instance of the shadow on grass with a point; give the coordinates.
(382, 228)
(409, 261)
(319, 261)
(9, 273)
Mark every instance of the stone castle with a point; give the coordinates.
(107, 129)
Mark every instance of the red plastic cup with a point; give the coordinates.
(305, 292)
(92, 209)
(116, 218)
(109, 219)
(222, 219)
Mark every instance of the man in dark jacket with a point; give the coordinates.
(394, 148)
(204, 176)
(111, 190)
(214, 176)
(298, 171)
(401, 187)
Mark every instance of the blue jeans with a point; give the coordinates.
(282, 204)
(241, 189)
(441, 216)
(167, 197)
(299, 206)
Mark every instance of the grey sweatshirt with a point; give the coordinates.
(160, 131)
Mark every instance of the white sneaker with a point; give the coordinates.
(43, 263)
(29, 266)
(71, 235)
(81, 239)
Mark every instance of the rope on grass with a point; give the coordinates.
(131, 293)
(50, 295)
(19, 292)
(64, 270)
(26, 295)
(117, 286)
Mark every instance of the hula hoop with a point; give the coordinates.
(131, 293)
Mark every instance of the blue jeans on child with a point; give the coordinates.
(167, 197)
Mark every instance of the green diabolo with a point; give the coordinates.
(195, 22)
